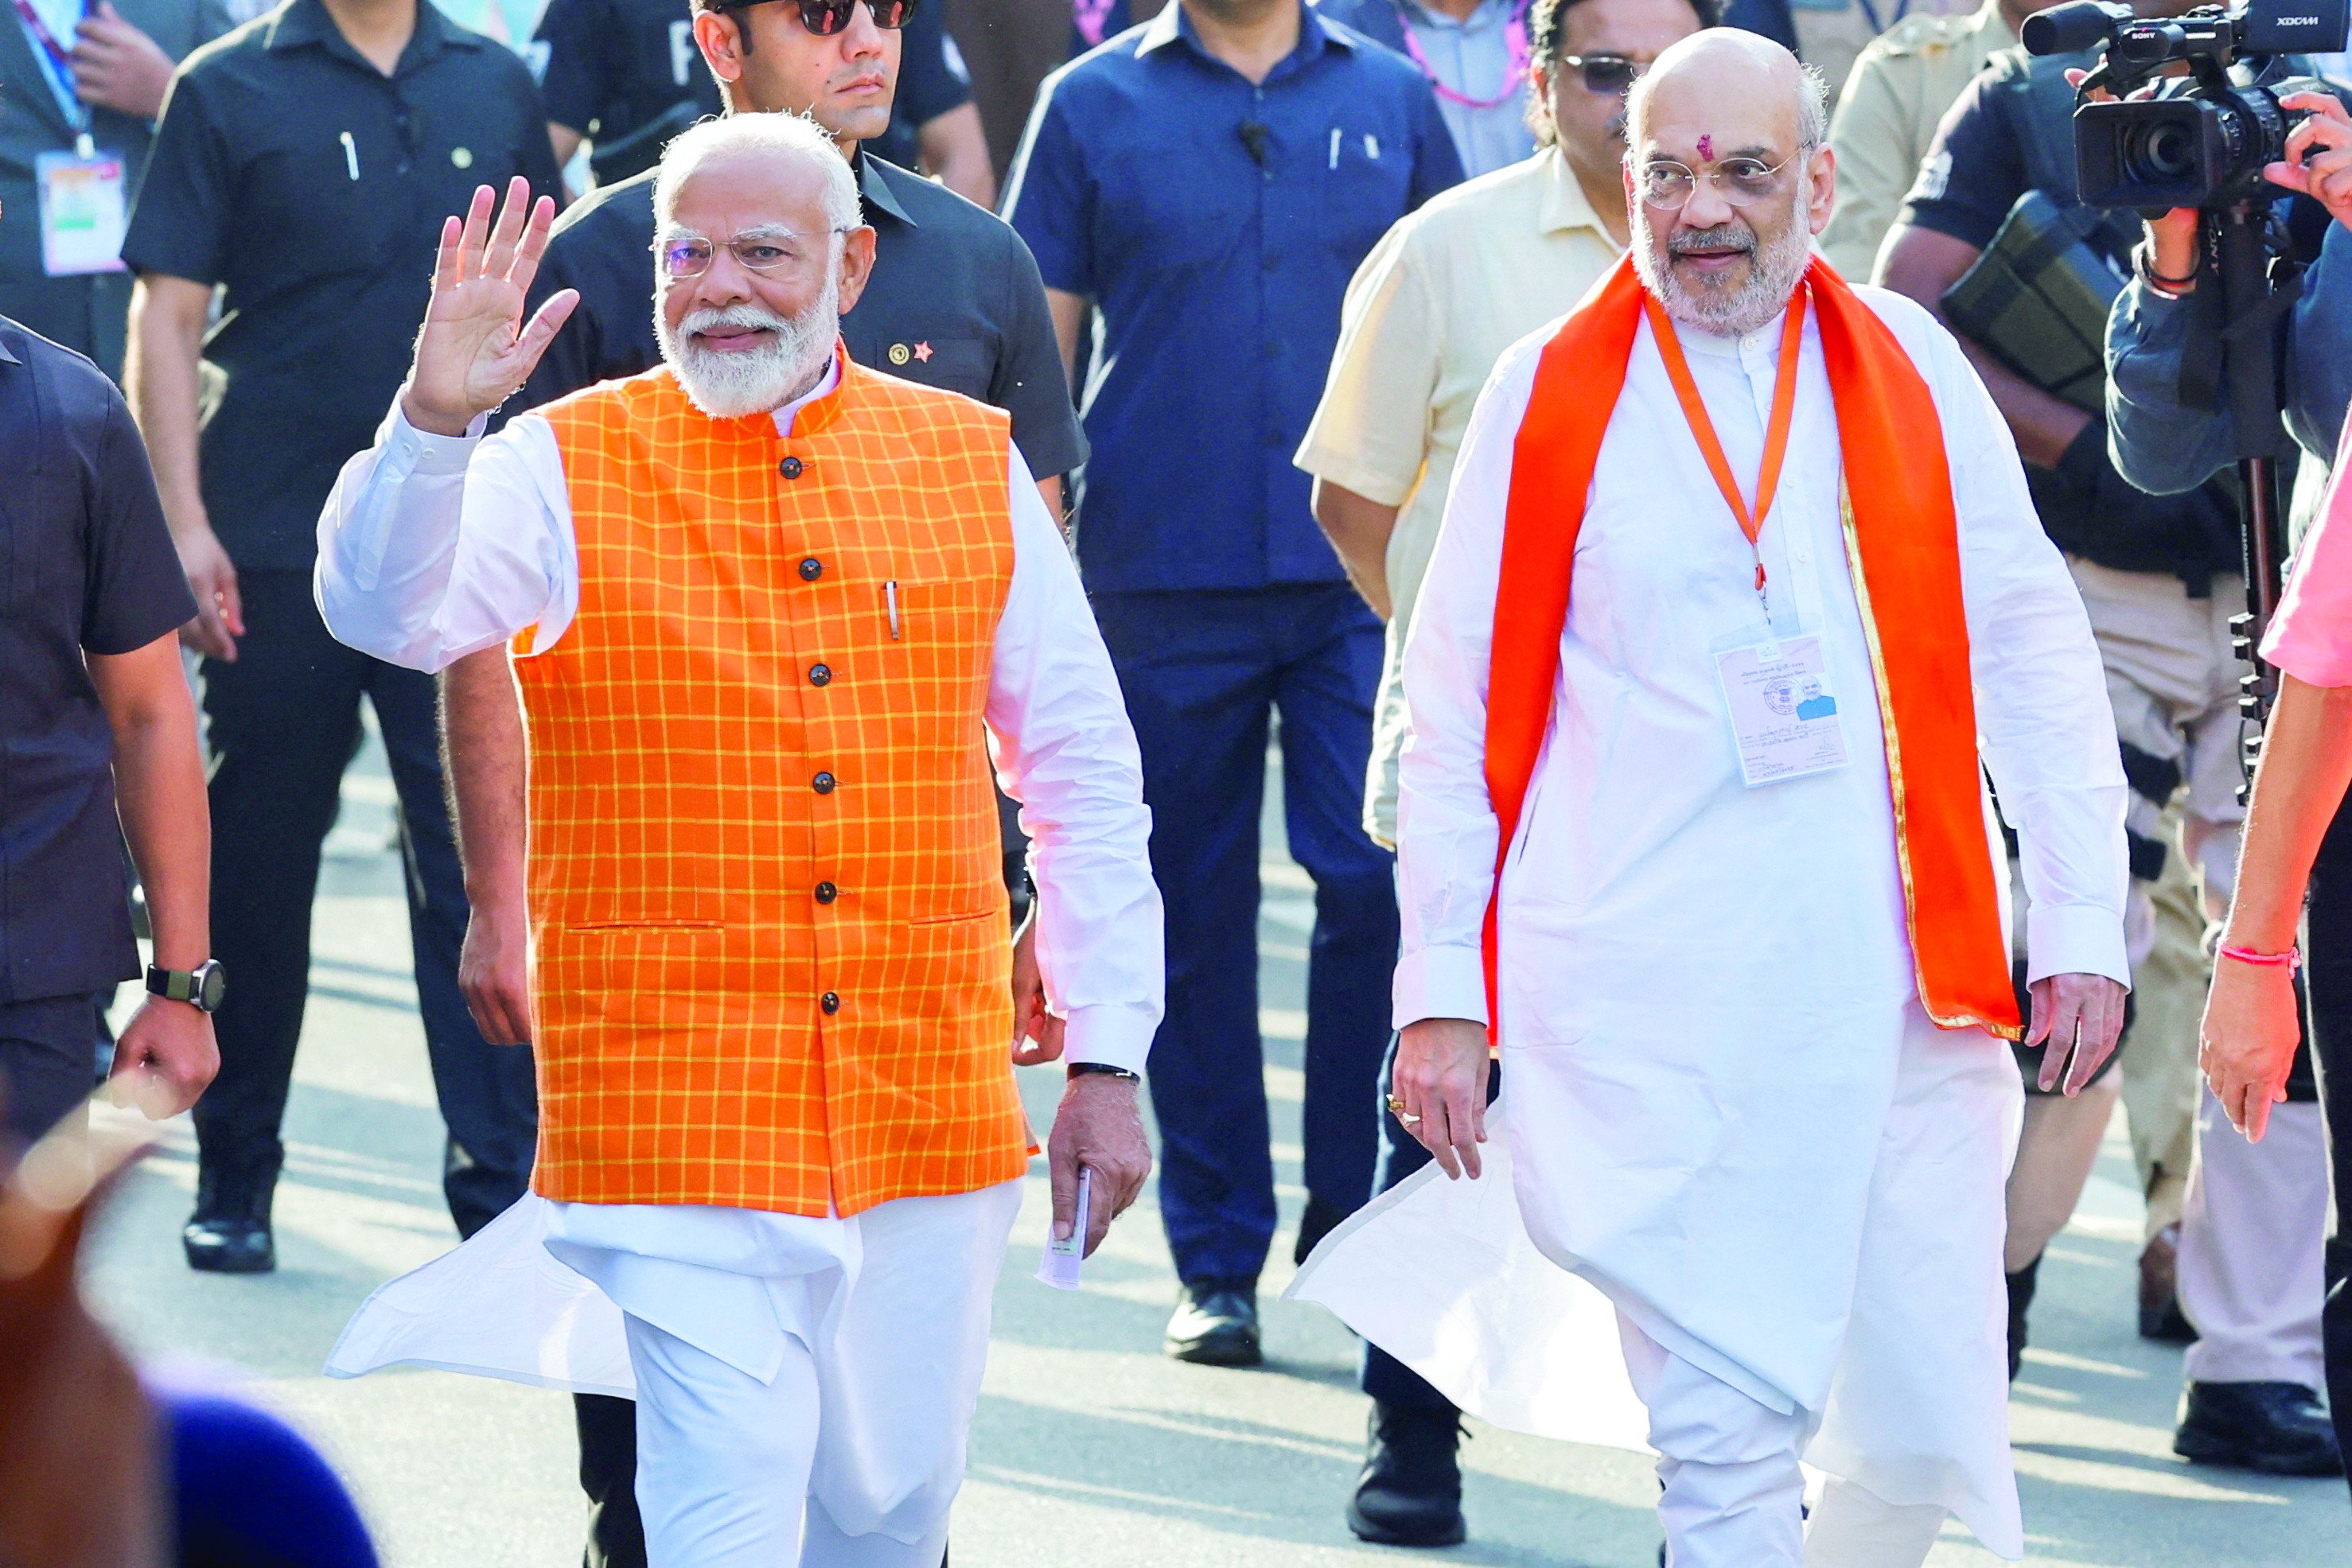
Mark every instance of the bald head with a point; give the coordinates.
(1726, 77)
(1726, 163)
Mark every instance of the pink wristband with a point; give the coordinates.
(2292, 958)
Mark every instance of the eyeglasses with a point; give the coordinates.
(826, 17)
(1606, 73)
(1668, 186)
(683, 257)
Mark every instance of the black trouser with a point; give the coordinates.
(2327, 967)
(1384, 1377)
(284, 723)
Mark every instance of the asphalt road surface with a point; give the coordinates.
(1091, 1449)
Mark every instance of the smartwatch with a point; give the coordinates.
(201, 987)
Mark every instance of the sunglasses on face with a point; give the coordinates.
(826, 17)
(1606, 73)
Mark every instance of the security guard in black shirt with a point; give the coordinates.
(301, 168)
(1994, 238)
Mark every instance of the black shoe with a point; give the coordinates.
(1320, 1219)
(2021, 1297)
(1411, 1492)
(1215, 1325)
(229, 1233)
(2277, 1429)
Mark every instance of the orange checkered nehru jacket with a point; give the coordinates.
(772, 965)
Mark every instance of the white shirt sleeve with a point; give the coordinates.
(1065, 750)
(1447, 827)
(434, 546)
(2043, 717)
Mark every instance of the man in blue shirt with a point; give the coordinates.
(1209, 182)
(1475, 54)
(2158, 442)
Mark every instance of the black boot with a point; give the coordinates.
(229, 1231)
(2020, 1296)
(2276, 1428)
(1411, 1492)
(1215, 1323)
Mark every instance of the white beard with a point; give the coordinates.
(754, 381)
(1774, 267)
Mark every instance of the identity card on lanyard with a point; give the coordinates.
(83, 198)
(1784, 716)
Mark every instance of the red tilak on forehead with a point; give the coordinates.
(1706, 147)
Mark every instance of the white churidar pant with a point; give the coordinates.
(1460, 1282)
(804, 1385)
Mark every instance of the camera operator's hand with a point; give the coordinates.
(2318, 155)
(2171, 238)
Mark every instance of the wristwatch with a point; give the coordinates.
(201, 987)
(1084, 1069)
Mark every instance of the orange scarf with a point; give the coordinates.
(1903, 548)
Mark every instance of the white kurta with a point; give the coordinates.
(1705, 987)
(430, 548)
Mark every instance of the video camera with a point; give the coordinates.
(2203, 139)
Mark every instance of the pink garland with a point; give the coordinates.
(1515, 32)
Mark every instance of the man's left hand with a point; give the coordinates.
(2076, 1017)
(117, 67)
(1037, 1032)
(165, 1058)
(2326, 135)
(1100, 1128)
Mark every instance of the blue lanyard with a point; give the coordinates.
(57, 63)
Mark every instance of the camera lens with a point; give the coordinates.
(2162, 152)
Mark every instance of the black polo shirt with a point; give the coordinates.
(85, 567)
(931, 81)
(954, 302)
(615, 65)
(312, 187)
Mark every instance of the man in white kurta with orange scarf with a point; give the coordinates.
(1715, 815)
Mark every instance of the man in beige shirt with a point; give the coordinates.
(1886, 118)
(1431, 308)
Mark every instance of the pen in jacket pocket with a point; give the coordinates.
(890, 603)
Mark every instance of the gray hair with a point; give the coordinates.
(771, 135)
(1812, 108)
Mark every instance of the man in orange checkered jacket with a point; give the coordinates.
(767, 610)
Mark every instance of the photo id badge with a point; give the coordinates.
(84, 212)
(1784, 716)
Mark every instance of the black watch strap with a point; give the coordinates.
(1085, 1069)
(201, 987)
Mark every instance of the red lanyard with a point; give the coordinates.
(41, 34)
(1776, 434)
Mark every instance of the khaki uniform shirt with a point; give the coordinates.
(1902, 85)
(1428, 313)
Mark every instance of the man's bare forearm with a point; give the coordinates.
(2298, 790)
(1359, 530)
(159, 791)
(166, 341)
(486, 760)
